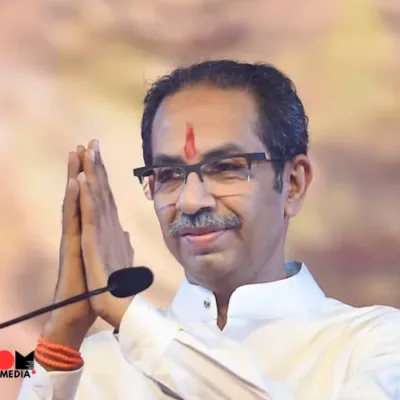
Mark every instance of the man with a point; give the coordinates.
(225, 148)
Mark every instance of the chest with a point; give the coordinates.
(314, 359)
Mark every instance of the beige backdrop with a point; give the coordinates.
(72, 70)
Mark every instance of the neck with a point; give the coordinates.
(222, 307)
(223, 296)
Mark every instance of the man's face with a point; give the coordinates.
(251, 218)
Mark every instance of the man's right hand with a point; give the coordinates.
(69, 325)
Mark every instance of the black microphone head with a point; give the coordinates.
(130, 281)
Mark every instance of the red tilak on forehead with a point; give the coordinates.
(190, 145)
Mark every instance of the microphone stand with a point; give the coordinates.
(54, 306)
(123, 282)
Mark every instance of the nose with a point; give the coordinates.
(194, 196)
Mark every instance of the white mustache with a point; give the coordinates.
(204, 220)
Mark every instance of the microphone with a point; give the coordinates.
(122, 283)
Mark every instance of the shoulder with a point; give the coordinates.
(376, 323)
(374, 311)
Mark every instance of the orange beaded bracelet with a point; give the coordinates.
(58, 356)
(59, 347)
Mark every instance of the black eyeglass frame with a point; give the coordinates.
(140, 172)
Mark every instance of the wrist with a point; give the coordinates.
(117, 311)
(64, 335)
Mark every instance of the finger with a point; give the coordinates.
(106, 199)
(109, 226)
(105, 192)
(100, 188)
(70, 208)
(105, 217)
(89, 167)
(70, 246)
(70, 219)
(74, 165)
(70, 256)
(108, 206)
(80, 150)
(87, 205)
(70, 212)
(91, 176)
(89, 220)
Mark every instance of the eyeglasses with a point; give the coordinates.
(224, 176)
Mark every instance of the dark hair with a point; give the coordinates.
(283, 123)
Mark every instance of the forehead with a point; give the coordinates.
(218, 116)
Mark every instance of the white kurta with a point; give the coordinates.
(283, 341)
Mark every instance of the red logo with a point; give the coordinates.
(6, 359)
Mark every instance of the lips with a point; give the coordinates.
(202, 239)
(198, 231)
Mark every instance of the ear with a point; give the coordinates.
(297, 177)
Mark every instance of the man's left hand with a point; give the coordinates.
(106, 246)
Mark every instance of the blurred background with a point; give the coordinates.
(73, 70)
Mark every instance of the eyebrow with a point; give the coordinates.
(221, 151)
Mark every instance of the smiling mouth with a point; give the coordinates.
(199, 231)
(202, 237)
